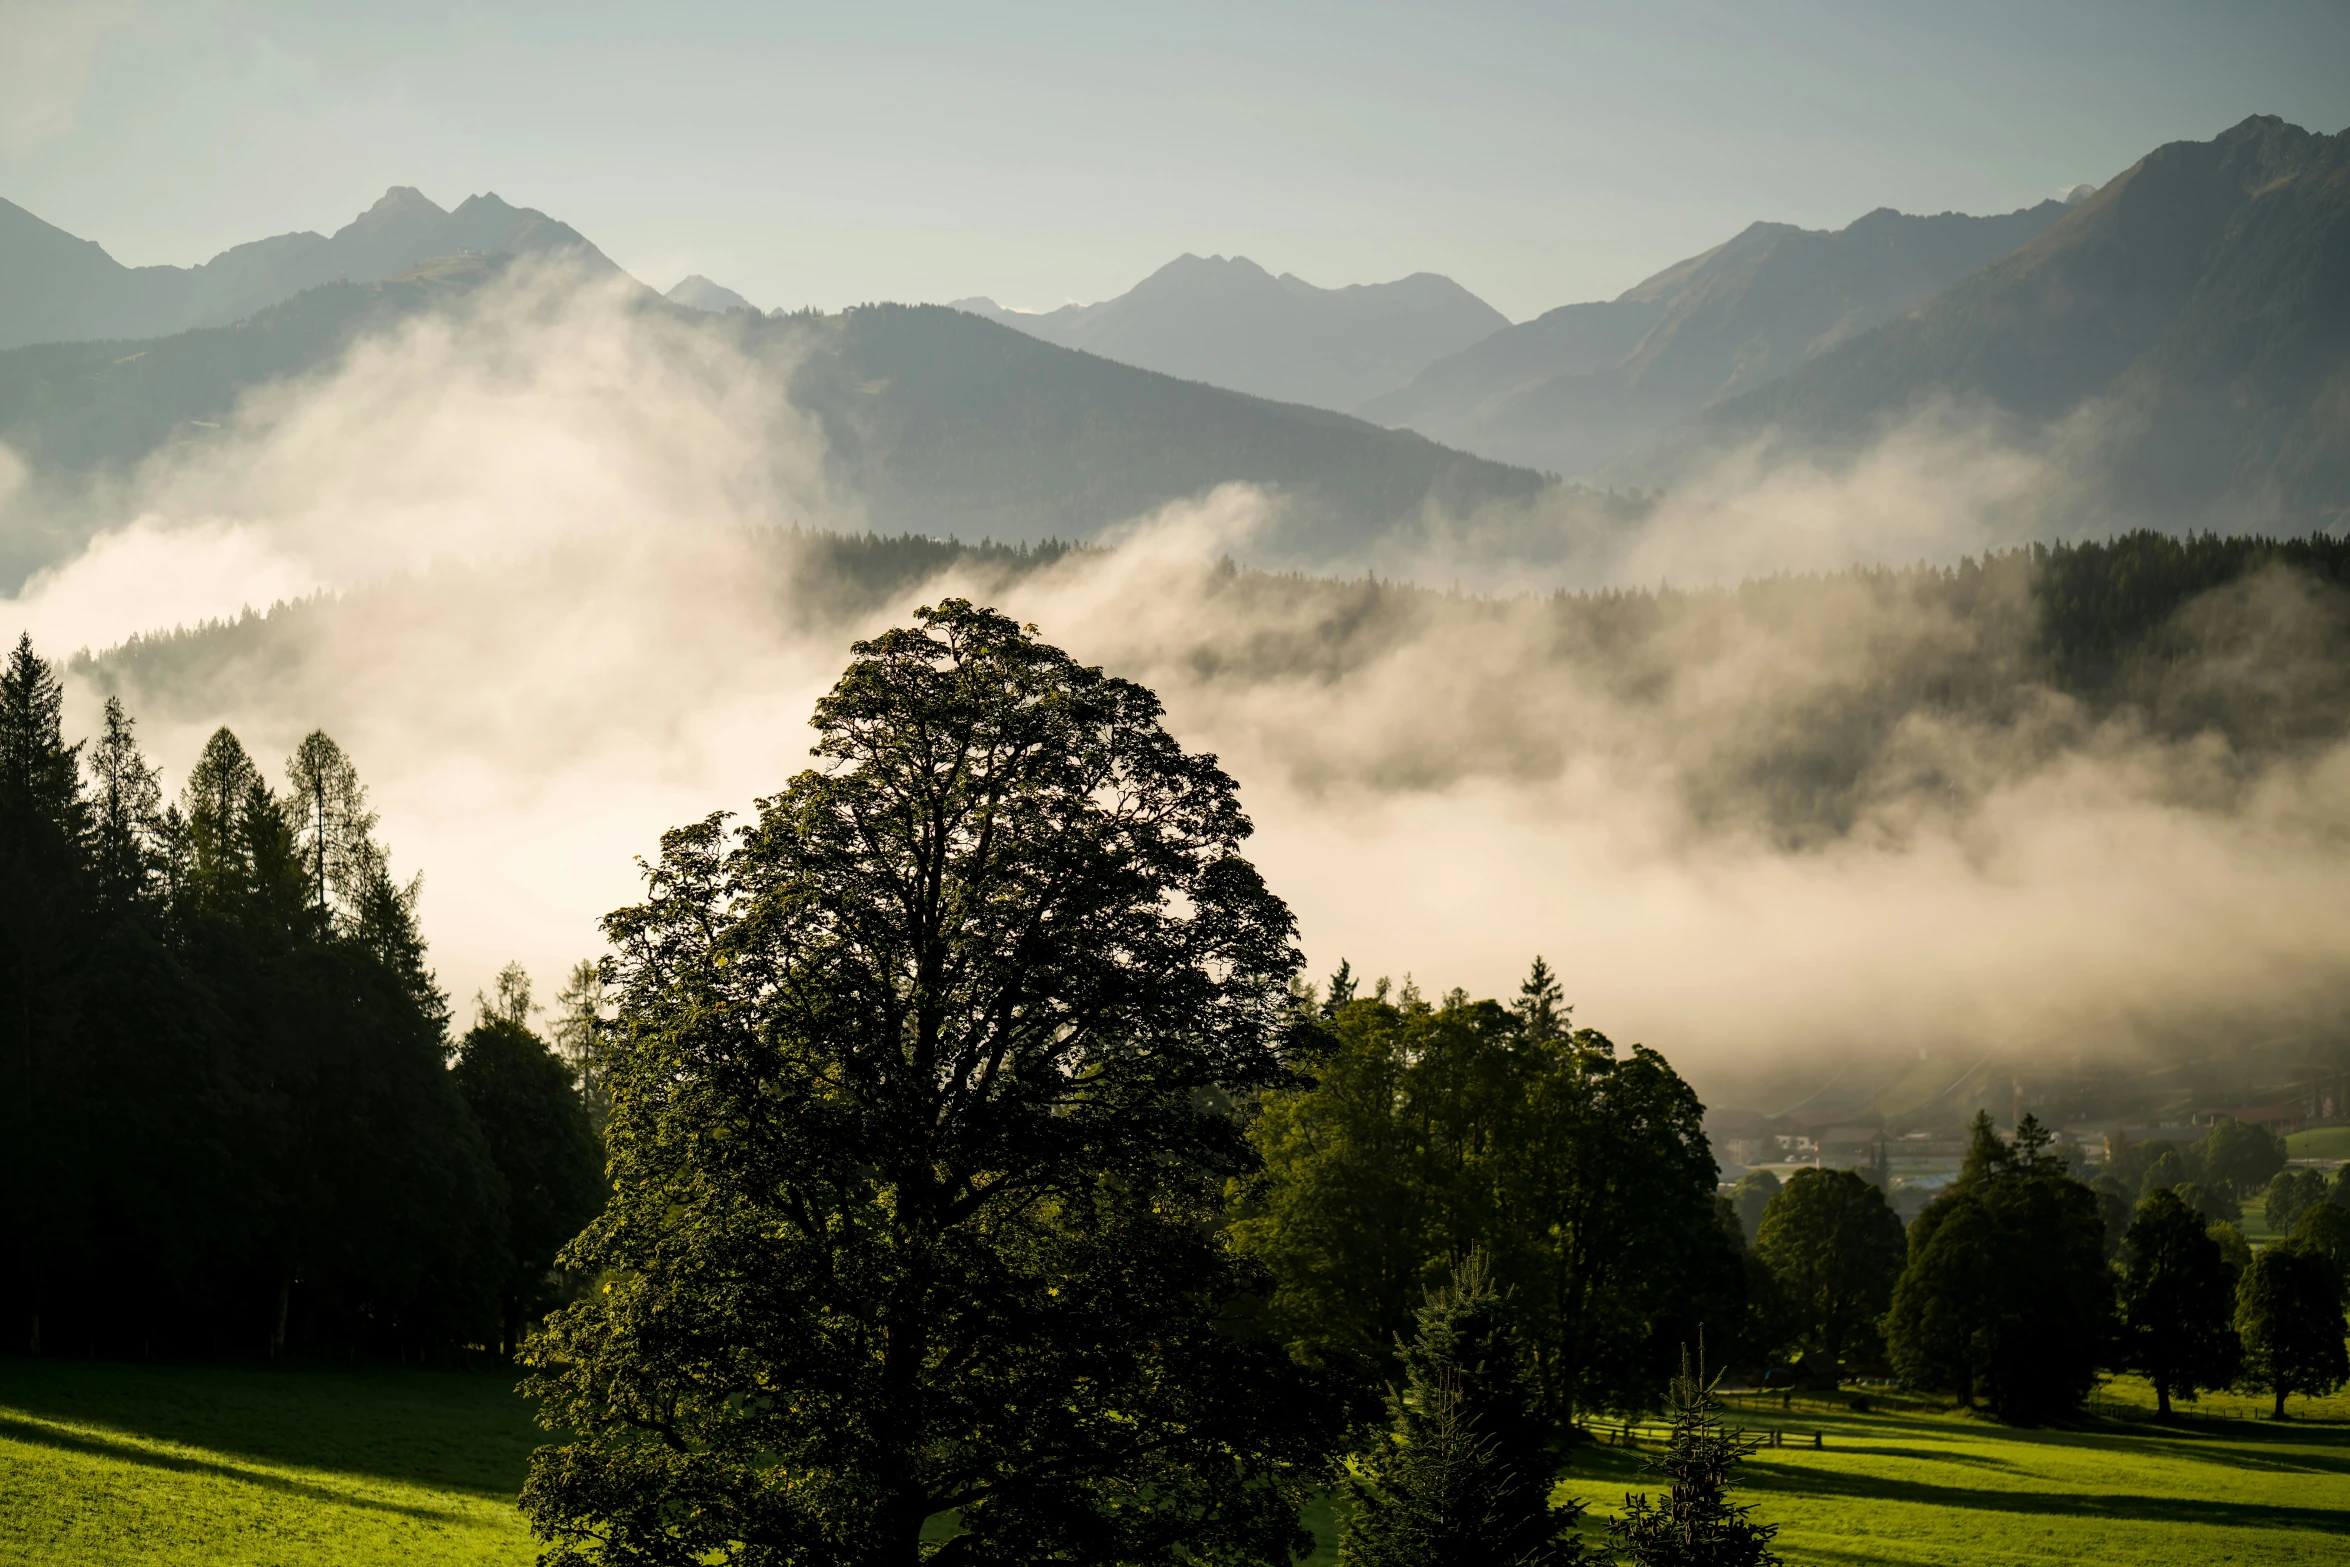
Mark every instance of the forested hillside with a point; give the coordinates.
(1874, 687)
(230, 1124)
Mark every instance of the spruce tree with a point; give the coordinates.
(1694, 1523)
(44, 909)
(126, 801)
(1464, 1474)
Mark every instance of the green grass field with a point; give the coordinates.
(2320, 1142)
(128, 1466)
(1912, 1482)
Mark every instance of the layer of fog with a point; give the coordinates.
(1445, 804)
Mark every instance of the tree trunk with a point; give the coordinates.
(285, 1303)
(2162, 1398)
(2278, 1413)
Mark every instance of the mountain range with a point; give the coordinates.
(2180, 337)
(1229, 322)
(2181, 340)
(1585, 385)
(57, 288)
(933, 420)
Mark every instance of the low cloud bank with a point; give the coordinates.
(561, 617)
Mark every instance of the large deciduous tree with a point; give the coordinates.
(919, 1142)
(2239, 1158)
(2289, 1316)
(2178, 1293)
(1834, 1249)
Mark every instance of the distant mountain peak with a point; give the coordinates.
(1227, 321)
(403, 199)
(697, 292)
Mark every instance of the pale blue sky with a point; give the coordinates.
(1042, 152)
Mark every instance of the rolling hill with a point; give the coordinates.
(1584, 385)
(57, 288)
(1230, 323)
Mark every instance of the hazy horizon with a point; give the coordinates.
(1538, 156)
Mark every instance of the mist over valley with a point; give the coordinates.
(1677, 835)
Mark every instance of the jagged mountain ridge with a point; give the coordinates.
(55, 287)
(933, 420)
(1230, 323)
(1582, 386)
(2183, 338)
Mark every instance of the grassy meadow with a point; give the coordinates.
(2320, 1142)
(1913, 1481)
(132, 1465)
(241, 1467)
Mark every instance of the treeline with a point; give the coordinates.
(236, 1123)
(2021, 1283)
(1431, 1131)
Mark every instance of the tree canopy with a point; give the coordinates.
(2178, 1293)
(229, 1125)
(919, 1141)
(1834, 1249)
(2006, 1292)
(1581, 1168)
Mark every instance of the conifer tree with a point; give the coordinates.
(1694, 1523)
(1463, 1475)
(126, 800)
(584, 1037)
(338, 849)
(44, 905)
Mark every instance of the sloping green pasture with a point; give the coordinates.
(141, 1466)
(1912, 1482)
(2320, 1142)
(238, 1467)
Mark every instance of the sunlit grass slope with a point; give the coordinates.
(2320, 1142)
(229, 1467)
(235, 1467)
(1914, 1483)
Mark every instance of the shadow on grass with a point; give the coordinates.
(87, 1445)
(438, 1429)
(1930, 1455)
(2075, 1504)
